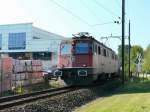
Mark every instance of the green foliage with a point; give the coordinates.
(146, 62)
(136, 49)
(19, 89)
(126, 56)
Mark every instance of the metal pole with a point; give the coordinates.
(129, 49)
(123, 35)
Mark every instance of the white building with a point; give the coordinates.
(24, 41)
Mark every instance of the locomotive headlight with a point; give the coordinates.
(49, 71)
(84, 65)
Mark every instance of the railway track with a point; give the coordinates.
(7, 102)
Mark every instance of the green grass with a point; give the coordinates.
(132, 97)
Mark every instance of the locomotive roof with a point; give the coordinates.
(87, 38)
(103, 45)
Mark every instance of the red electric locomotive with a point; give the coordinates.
(83, 60)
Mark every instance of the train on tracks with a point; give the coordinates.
(83, 60)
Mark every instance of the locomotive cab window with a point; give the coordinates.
(116, 57)
(112, 56)
(95, 49)
(82, 48)
(99, 50)
(66, 48)
(107, 53)
(104, 52)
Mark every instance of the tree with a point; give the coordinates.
(146, 61)
(135, 50)
(126, 57)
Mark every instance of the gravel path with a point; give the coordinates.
(62, 103)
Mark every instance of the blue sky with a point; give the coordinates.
(81, 16)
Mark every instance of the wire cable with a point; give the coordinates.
(93, 13)
(111, 22)
(118, 3)
(89, 9)
(109, 11)
(74, 15)
(70, 12)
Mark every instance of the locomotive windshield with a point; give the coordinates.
(66, 48)
(82, 48)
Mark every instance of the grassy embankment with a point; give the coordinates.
(132, 97)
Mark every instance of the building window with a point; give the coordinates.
(36, 37)
(17, 40)
(20, 55)
(42, 55)
(0, 41)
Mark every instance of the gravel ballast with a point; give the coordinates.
(61, 103)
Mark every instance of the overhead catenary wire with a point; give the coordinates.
(107, 10)
(95, 15)
(74, 15)
(70, 12)
(111, 22)
(110, 12)
(89, 9)
(118, 3)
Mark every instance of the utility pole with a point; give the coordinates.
(129, 49)
(123, 35)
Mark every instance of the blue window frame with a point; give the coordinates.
(82, 48)
(0, 41)
(17, 40)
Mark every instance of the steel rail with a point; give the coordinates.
(10, 101)
(7, 102)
